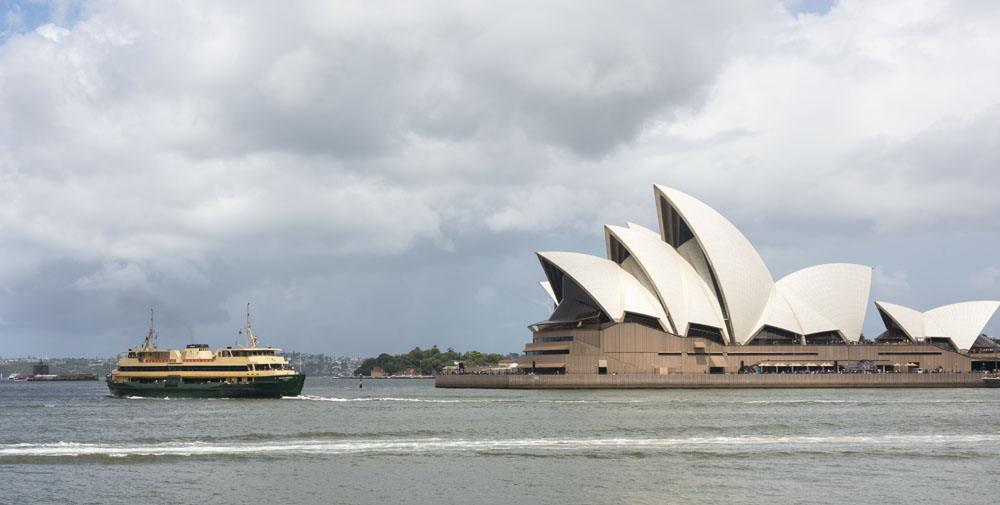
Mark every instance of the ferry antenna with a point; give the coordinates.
(150, 341)
(250, 336)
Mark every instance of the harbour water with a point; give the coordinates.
(402, 441)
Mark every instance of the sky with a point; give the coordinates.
(374, 176)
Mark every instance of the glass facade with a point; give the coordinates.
(770, 335)
(706, 332)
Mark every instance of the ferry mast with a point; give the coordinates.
(250, 336)
(150, 342)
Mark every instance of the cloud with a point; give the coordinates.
(114, 277)
(363, 163)
(895, 280)
(986, 279)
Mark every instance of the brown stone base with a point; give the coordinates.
(709, 381)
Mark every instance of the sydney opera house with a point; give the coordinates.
(696, 297)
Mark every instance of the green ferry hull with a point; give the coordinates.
(262, 387)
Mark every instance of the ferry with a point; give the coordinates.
(198, 372)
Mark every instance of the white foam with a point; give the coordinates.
(449, 400)
(539, 445)
(370, 399)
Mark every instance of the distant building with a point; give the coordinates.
(377, 372)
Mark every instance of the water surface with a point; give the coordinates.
(402, 441)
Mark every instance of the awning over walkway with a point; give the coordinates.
(550, 365)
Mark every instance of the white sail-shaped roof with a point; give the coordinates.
(779, 314)
(830, 297)
(743, 280)
(962, 323)
(547, 286)
(699, 270)
(608, 284)
(684, 295)
(910, 321)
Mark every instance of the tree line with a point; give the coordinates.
(425, 361)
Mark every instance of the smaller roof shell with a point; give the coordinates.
(684, 295)
(608, 284)
(829, 297)
(962, 323)
(910, 321)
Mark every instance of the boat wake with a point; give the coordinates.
(370, 399)
(450, 400)
(894, 444)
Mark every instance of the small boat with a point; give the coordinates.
(992, 382)
(198, 372)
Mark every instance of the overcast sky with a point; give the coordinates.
(377, 175)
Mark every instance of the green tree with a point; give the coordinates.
(427, 362)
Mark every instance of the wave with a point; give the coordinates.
(168, 398)
(371, 399)
(453, 400)
(434, 445)
(304, 435)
